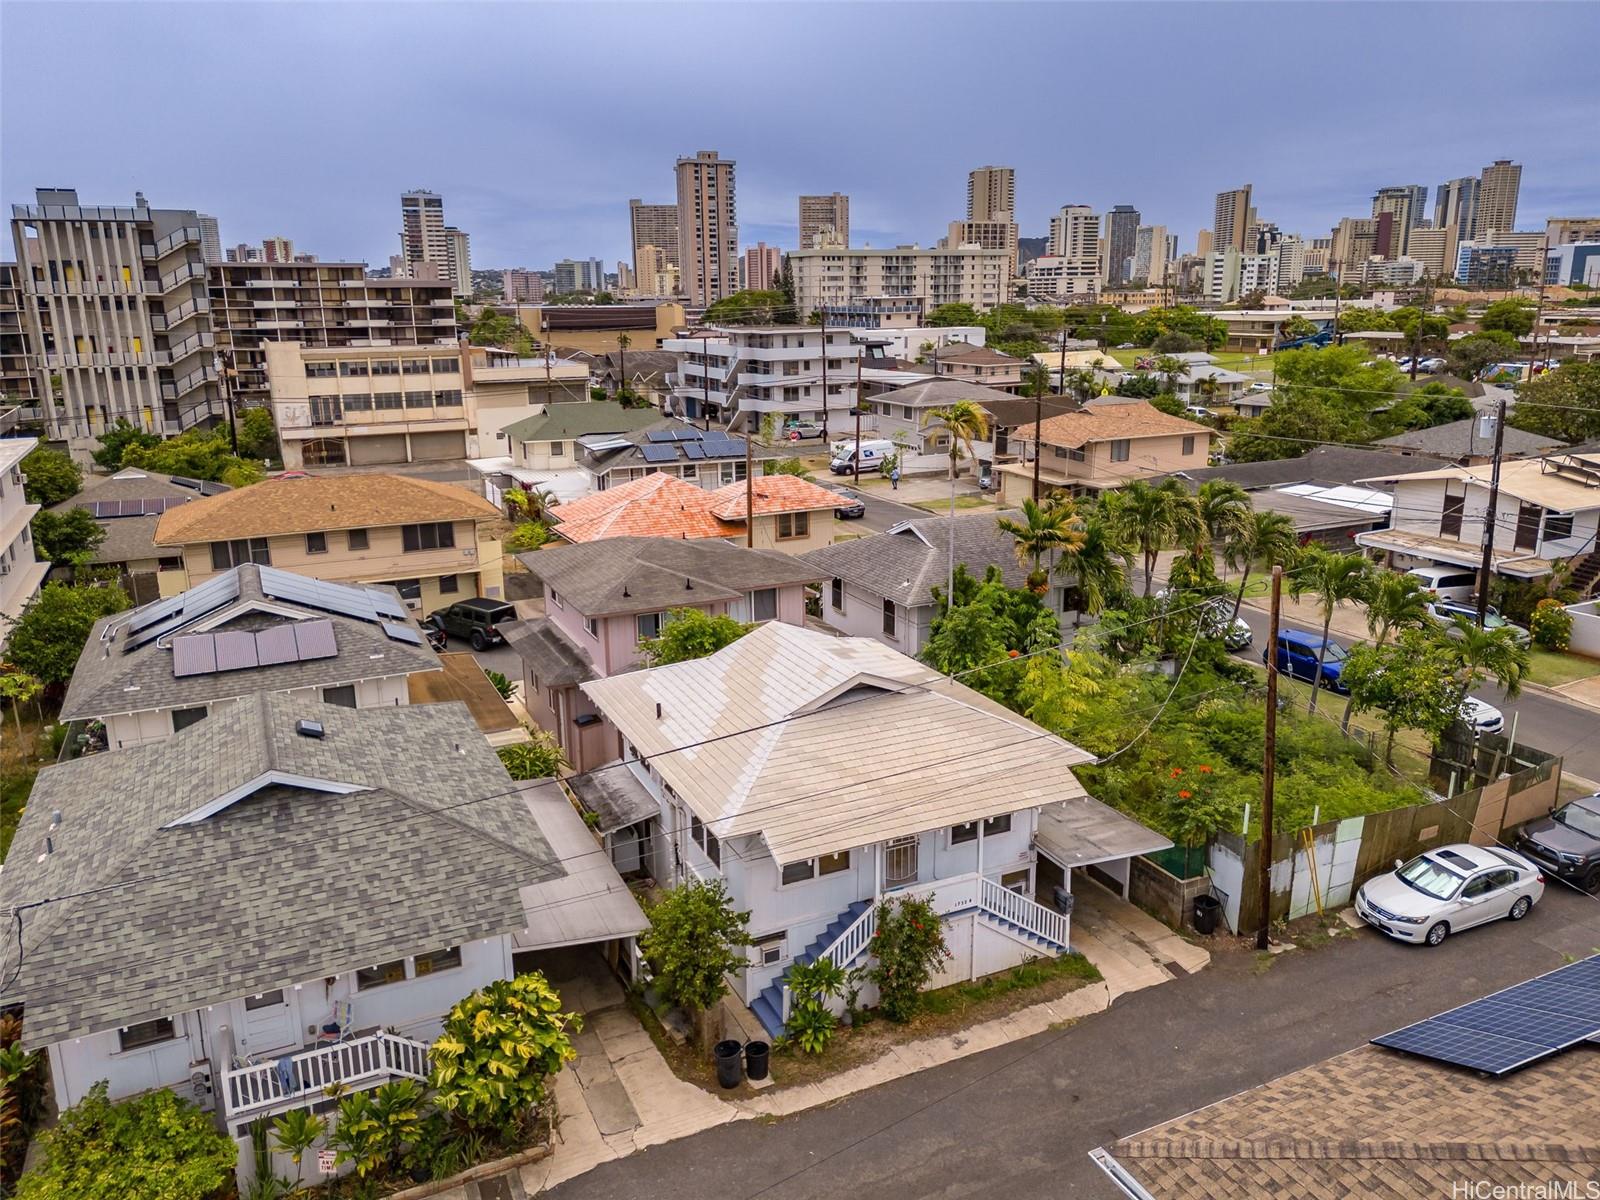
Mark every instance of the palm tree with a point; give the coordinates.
(1394, 602)
(1334, 579)
(1488, 653)
(1099, 563)
(537, 501)
(964, 422)
(1225, 510)
(1152, 518)
(1267, 539)
(623, 342)
(1171, 370)
(1044, 529)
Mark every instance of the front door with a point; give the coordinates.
(269, 1024)
(900, 862)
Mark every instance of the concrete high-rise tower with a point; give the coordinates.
(1233, 220)
(656, 226)
(1118, 233)
(1497, 197)
(708, 227)
(1455, 206)
(827, 217)
(1405, 208)
(422, 236)
(992, 190)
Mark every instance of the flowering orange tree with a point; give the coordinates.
(907, 949)
(1196, 811)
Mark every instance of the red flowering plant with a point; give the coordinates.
(1194, 811)
(907, 949)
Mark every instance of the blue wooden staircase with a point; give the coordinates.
(768, 1005)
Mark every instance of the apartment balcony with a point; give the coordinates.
(177, 277)
(281, 323)
(274, 304)
(189, 235)
(191, 381)
(189, 308)
(298, 1081)
(271, 283)
(195, 343)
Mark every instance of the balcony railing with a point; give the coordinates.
(265, 1088)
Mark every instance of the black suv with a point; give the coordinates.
(476, 620)
(1567, 842)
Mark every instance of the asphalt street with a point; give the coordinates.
(1544, 720)
(1020, 1120)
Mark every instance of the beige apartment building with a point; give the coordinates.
(379, 405)
(1101, 447)
(325, 304)
(114, 307)
(708, 227)
(652, 225)
(430, 541)
(1558, 231)
(1498, 188)
(1232, 220)
(965, 274)
(825, 220)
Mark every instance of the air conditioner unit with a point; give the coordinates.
(200, 1089)
(417, 604)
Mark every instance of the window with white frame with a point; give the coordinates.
(648, 625)
(764, 604)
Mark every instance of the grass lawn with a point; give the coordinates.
(943, 506)
(1411, 747)
(1551, 668)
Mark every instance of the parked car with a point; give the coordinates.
(1567, 842)
(1482, 717)
(1124, 345)
(1298, 653)
(1259, 387)
(1198, 412)
(852, 508)
(1446, 611)
(795, 430)
(1447, 583)
(985, 477)
(1218, 621)
(1433, 365)
(1444, 891)
(476, 620)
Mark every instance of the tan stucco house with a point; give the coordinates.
(1105, 445)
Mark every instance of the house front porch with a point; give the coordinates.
(298, 1080)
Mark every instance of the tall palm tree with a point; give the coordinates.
(964, 422)
(1037, 385)
(1099, 563)
(1044, 529)
(1152, 517)
(623, 342)
(1394, 602)
(1267, 539)
(1334, 579)
(1488, 654)
(1225, 510)
(1171, 370)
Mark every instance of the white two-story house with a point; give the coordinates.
(1548, 512)
(793, 371)
(819, 775)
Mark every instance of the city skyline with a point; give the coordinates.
(1306, 175)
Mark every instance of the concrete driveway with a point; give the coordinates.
(1019, 1121)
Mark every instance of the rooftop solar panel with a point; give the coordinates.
(402, 633)
(184, 607)
(194, 655)
(659, 454)
(315, 639)
(694, 450)
(277, 645)
(661, 435)
(236, 650)
(366, 604)
(1514, 1027)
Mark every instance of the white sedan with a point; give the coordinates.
(1444, 891)
(1481, 716)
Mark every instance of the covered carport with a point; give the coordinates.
(1084, 834)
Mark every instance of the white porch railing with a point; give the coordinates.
(259, 1089)
(1023, 911)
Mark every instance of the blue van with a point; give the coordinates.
(1297, 657)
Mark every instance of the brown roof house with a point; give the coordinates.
(1103, 446)
(430, 541)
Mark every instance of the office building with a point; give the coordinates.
(825, 217)
(1404, 205)
(1573, 262)
(760, 267)
(1153, 249)
(1562, 231)
(1233, 220)
(1435, 248)
(1497, 196)
(322, 305)
(654, 225)
(521, 286)
(458, 260)
(964, 274)
(114, 307)
(422, 235)
(1118, 234)
(708, 227)
(579, 275)
(1455, 206)
(210, 238)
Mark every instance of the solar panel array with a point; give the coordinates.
(402, 633)
(659, 454)
(348, 600)
(104, 509)
(238, 650)
(164, 616)
(719, 445)
(1512, 1028)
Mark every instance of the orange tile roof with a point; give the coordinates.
(1100, 422)
(772, 494)
(657, 505)
(312, 503)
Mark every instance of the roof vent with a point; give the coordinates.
(310, 729)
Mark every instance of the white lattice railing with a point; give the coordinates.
(259, 1088)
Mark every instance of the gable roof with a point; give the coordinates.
(622, 575)
(396, 833)
(114, 676)
(567, 420)
(1112, 418)
(1467, 438)
(937, 393)
(130, 538)
(657, 505)
(910, 560)
(767, 737)
(1342, 1122)
(295, 503)
(968, 354)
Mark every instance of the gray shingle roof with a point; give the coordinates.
(1462, 439)
(936, 393)
(615, 576)
(109, 679)
(562, 422)
(285, 884)
(130, 538)
(907, 563)
(1320, 464)
(552, 657)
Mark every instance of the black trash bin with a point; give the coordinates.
(730, 1063)
(1205, 914)
(755, 1059)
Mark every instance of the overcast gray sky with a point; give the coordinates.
(537, 122)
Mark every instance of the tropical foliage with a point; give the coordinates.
(691, 633)
(47, 639)
(1550, 625)
(695, 939)
(908, 948)
(539, 757)
(51, 476)
(811, 1022)
(68, 537)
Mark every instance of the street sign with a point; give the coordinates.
(326, 1161)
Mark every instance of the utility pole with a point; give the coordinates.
(705, 381)
(222, 360)
(824, 381)
(749, 492)
(1338, 286)
(1416, 339)
(1038, 428)
(1486, 566)
(857, 455)
(1268, 761)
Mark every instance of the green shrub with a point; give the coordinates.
(1550, 625)
(907, 949)
(811, 1022)
(695, 938)
(538, 758)
(529, 535)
